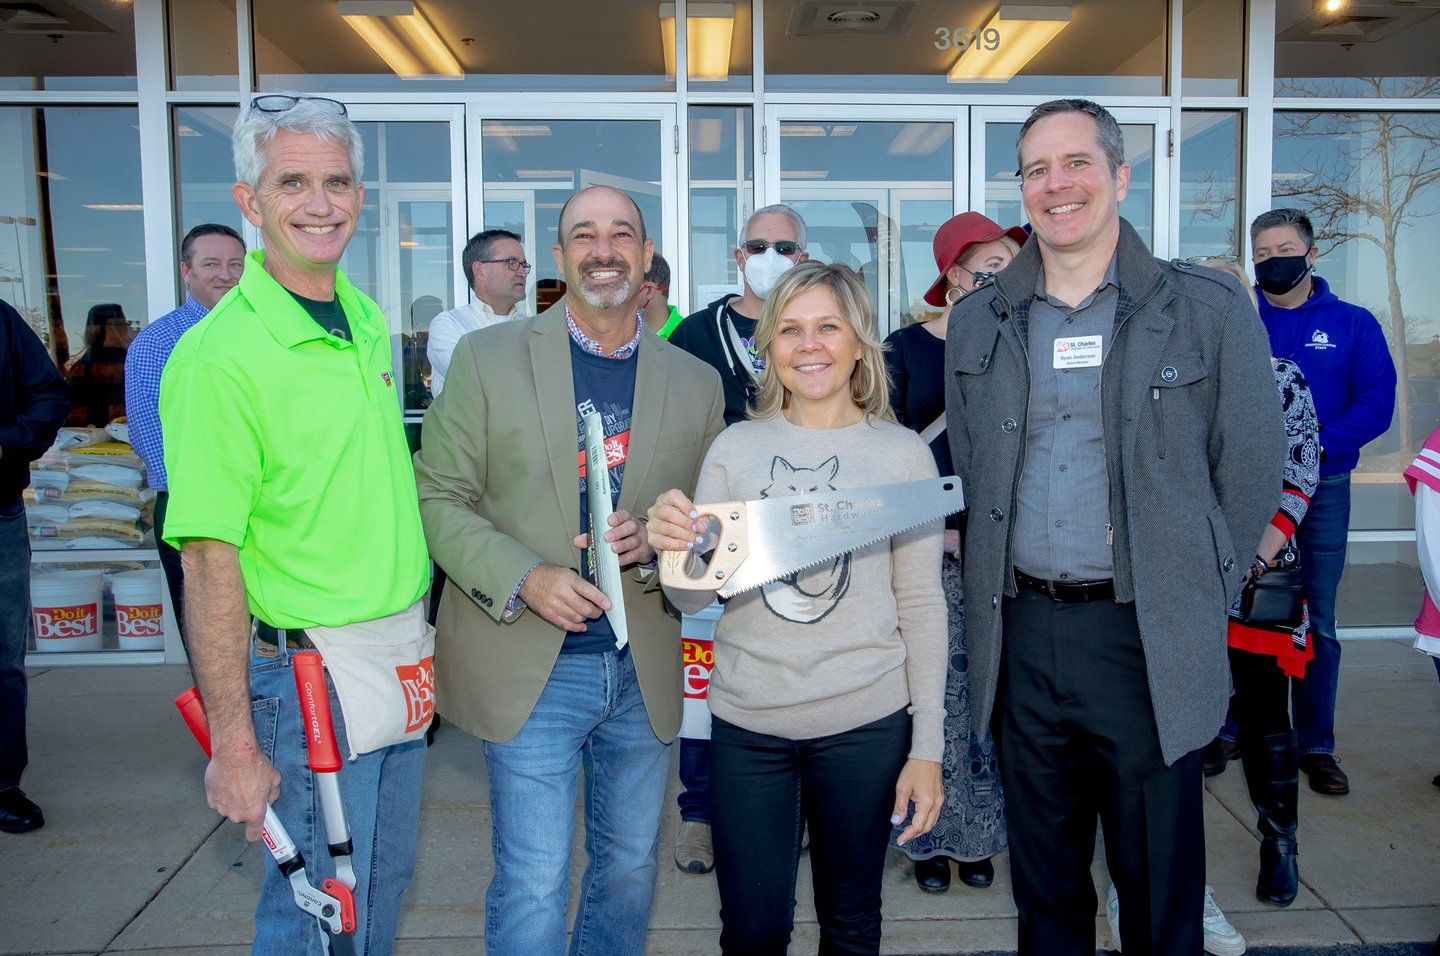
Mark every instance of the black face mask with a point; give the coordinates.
(1279, 274)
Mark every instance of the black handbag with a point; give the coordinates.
(1276, 599)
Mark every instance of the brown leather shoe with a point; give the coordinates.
(1218, 753)
(1325, 775)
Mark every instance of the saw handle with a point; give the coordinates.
(727, 540)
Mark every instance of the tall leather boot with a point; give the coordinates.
(1272, 774)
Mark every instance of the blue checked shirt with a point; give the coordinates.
(143, 364)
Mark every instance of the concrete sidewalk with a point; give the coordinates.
(132, 860)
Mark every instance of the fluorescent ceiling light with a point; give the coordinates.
(919, 139)
(401, 36)
(1023, 32)
(114, 206)
(708, 29)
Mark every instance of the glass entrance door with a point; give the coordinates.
(993, 165)
(407, 242)
(872, 190)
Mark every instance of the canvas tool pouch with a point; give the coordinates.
(384, 674)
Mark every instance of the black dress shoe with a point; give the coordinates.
(18, 813)
(1325, 775)
(1218, 753)
(979, 874)
(933, 875)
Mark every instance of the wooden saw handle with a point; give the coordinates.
(727, 543)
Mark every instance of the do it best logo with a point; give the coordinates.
(698, 657)
(417, 685)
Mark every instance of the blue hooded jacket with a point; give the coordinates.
(1342, 351)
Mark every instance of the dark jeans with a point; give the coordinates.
(765, 790)
(1322, 538)
(14, 629)
(1261, 705)
(170, 563)
(1077, 738)
(694, 800)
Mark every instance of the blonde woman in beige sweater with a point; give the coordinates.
(827, 693)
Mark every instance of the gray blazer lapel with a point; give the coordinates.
(555, 394)
(651, 382)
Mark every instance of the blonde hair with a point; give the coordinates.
(965, 290)
(869, 382)
(1234, 268)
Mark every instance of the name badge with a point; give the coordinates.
(1078, 351)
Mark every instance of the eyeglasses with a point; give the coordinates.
(1201, 260)
(786, 247)
(280, 102)
(513, 264)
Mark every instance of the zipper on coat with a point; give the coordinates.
(1159, 419)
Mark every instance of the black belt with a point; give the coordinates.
(1070, 592)
(269, 636)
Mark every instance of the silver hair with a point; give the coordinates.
(778, 209)
(1107, 131)
(256, 128)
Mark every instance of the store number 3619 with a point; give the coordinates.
(961, 38)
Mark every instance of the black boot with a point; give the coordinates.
(1272, 774)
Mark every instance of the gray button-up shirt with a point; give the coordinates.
(1062, 518)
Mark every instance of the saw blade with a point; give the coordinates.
(788, 536)
(752, 543)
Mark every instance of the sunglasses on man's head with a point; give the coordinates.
(786, 247)
(280, 102)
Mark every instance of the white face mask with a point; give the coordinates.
(763, 271)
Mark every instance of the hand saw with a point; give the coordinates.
(751, 543)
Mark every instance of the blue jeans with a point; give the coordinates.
(589, 713)
(1322, 537)
(381, 794)
(694, 800)
(14, 629)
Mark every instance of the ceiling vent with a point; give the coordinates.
(47, 18)
(828, 18)
(1360, 23)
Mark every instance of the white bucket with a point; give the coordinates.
(66, 610)
(139, 613)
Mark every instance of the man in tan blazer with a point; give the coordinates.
(525, 658)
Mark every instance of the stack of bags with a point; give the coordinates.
(88, 492)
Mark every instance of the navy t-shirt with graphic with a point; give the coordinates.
(606, 386)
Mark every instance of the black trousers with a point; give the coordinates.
(170, 563)
(1077, 738)
(764, 789)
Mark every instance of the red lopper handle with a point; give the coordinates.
(315, 712)
(193, 710)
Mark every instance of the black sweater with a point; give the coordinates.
(33, 402)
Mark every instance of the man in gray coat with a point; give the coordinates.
(1112, 519)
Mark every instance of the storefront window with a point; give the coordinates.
(722, 191)
(872, 195)
(70, 231)
(446, 47)
(1111, 49)
(203, 45)
(1370, 183)
(205, 168)
(1213, 54)
(1372, 51)
(533, 166)
(78, 45)
(1210, 183)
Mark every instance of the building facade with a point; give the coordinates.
(876, 120)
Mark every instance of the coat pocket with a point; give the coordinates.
(1176, 372)
(1226, 561)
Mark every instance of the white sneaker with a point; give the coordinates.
(1112, 915)
(1221, 939)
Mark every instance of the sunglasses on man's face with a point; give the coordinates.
(786, 247)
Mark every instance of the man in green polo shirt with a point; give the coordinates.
(293, 501)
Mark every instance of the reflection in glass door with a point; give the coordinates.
(407, 240)
(872, 194)
(994, 165)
